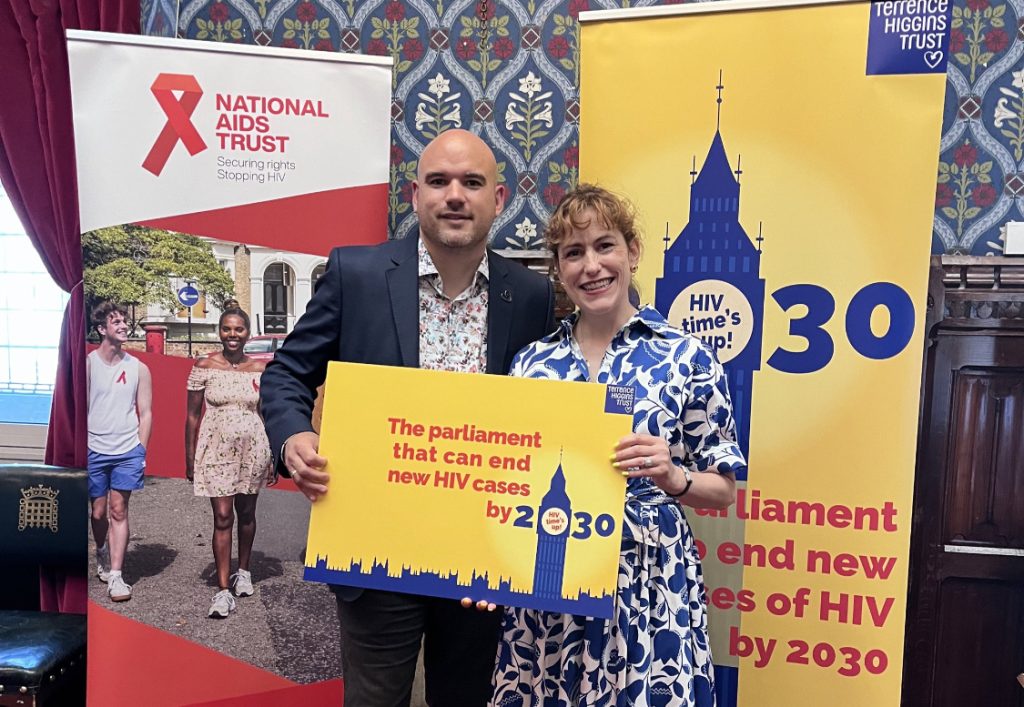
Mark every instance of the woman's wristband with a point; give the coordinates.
(689, 483)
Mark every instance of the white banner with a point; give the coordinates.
(166, 128)
(287, 153)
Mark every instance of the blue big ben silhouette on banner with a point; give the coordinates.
(711, 284)
(552, 534)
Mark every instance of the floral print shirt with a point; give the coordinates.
(453, 332)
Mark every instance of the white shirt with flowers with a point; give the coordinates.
(453, 332)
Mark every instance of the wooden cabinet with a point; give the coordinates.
(965, 618)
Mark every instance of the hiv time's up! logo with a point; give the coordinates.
(244, 122)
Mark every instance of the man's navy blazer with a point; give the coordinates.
(366, 310)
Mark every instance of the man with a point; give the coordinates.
(441, 301)
(120, 393)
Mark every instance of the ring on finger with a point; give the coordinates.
(648, 463)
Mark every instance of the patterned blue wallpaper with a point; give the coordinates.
(980, 181)
(509, 70)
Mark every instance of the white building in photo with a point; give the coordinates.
(272, 286)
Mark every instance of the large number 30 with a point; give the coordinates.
(820, 308)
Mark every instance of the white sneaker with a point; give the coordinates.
(118, 589)
(103, 563)
(223, 604)
(241, 583)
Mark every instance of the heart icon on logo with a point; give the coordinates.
(932, 59)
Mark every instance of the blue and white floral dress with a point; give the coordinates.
(654, 651)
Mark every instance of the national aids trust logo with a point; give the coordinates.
(179, 127)
(254, 125)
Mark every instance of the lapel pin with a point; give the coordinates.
(506, 295)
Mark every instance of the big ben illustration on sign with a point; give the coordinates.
(552, 535)
(711, 284)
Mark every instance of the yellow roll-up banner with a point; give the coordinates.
(783, 162)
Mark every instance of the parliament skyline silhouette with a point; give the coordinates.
(547, 592)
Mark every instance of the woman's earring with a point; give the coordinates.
(634, 268)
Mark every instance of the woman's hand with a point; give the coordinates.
(646, 455)
(482, 605)
(190, 474)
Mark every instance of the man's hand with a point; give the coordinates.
(305, 465)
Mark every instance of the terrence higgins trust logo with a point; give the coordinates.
(179, 127)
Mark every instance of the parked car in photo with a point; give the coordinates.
(262, 347)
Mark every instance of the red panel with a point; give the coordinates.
(310, 223)
(165, 455)
(132, 664)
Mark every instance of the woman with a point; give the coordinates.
(227, 455)
(654, 650)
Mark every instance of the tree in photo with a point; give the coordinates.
(134, 266)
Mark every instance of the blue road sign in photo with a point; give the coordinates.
(188, 295)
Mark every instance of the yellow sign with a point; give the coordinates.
(788, 199)
(461, 485)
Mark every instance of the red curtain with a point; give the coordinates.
(37, 168)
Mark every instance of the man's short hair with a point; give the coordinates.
(103, 310)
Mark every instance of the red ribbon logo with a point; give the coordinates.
(179, 124)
